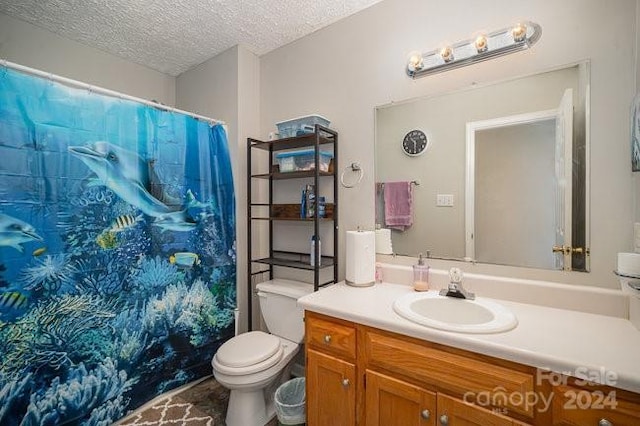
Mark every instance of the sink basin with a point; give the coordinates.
(451, 314)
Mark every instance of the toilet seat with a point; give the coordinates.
(248, 353)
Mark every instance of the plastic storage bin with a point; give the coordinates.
(290, 400)
(295, 161)
(300, 125)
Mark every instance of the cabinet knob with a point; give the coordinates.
(425, 414)
(604, 422)
(444, 420)
(327, 338)
(345, 383)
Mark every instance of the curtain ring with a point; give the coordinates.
(355, 167)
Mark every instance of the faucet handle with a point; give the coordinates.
(455, 275)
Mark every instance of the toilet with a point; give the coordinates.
(252, 364)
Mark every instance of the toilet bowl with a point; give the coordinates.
(248, 404)
(253, 364)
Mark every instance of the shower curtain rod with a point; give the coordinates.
(101, 90)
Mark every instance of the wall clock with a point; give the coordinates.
(415, 142)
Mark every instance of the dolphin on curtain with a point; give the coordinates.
(14, 232)
(127, 175)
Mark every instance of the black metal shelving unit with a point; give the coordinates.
(321, 136)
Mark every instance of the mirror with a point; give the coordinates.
(504, 177)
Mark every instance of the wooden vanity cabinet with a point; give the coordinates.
(457, 373)
(332, 383)
(392, 402)
(429, 383)
(584, 405)
(359, 375)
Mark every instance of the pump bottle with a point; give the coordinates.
(420, 275)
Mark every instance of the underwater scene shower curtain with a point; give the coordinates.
(117, 252)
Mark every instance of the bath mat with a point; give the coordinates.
(204, 404)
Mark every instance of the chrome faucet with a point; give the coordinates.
(455, 288)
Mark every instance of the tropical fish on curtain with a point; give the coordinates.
(117, 252)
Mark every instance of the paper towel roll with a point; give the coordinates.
(361, 258)
(629, 264)
(383, 241)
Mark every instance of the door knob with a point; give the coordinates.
(577, 250)
(561, 249)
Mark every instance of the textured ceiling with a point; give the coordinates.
(172, 36)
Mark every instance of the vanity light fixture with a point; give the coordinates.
(521, 36)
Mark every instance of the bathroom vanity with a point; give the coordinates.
(366, 365)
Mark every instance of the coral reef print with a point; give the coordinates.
(117, 252)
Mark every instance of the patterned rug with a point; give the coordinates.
(204, 404)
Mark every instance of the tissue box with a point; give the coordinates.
(300, 125)
(296, 161)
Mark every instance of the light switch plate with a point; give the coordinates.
(444, 200)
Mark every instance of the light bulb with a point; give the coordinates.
(481, 44)
(415, 61)
(447, 54)
(519, 32)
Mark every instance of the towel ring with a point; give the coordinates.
(355, 167)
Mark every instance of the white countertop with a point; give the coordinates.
(574, 343)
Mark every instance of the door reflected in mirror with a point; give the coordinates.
(511, 157)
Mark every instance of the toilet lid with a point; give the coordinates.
(248, 349)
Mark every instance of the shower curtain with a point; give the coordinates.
(117, 252)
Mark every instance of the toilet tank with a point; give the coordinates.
(281, 314)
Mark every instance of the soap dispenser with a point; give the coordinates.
(420, 275)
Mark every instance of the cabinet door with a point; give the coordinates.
(331, 391)
(574, 406)
(391, 402)
(454, 412)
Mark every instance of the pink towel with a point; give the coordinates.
(398, 205)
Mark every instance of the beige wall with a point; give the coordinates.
(248, 126)
(211, 89)
(226, 87)
(31, 46)
(347, 69)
